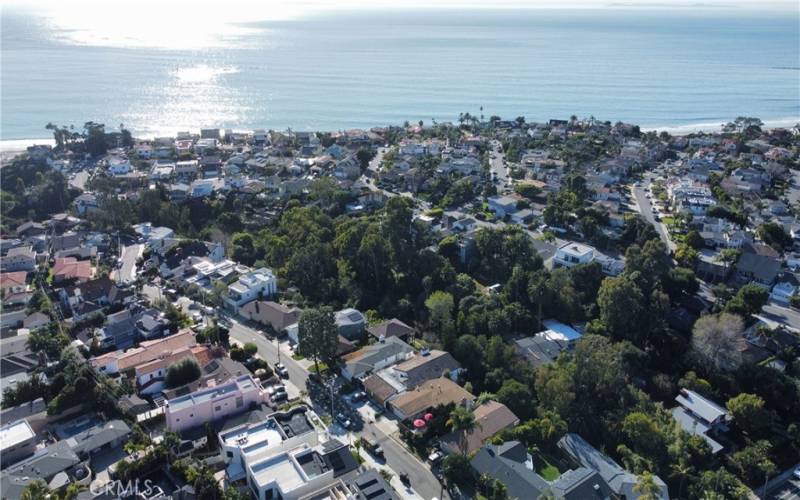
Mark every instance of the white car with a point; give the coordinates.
(275, 389)
(281, 370)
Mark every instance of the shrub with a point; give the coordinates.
(184, 371)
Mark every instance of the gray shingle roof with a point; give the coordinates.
(620, 480)
(45, 464)
(376, 353)
(580, 484)
(98, 436)
(508, 464)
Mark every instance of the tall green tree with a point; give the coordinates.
(622, 308)
(318, 335)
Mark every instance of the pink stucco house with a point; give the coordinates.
(213, 403)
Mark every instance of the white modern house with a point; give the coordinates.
(119, 165)
(573, 254)
(503, 205)
(252, 441)
(260, 283)
(561, 332)
(158, 239)
(17, 441)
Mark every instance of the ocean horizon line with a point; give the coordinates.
(7, 145)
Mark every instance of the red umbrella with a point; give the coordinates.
(429, 417)
(419, 423)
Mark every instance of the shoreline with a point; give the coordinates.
(13, 147)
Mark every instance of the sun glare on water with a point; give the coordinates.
(202, 73)
(162, 25)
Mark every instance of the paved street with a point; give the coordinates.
(268, 351)
(646, 209)
(400, 460)
(496, 163)
(375, 163)
(780, 314)
(397, 457)
(126, 272)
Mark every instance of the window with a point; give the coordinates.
(239, 402)
(217, 408)
(230, 454)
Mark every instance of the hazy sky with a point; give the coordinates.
(191, 24)
(293, 7)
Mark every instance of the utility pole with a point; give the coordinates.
(332, 412)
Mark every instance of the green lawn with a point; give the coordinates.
(545, 467)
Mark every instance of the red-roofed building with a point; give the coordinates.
(70, 268)
(13, 282)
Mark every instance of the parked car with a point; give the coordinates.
(281, 370)
(435, 457)
(372, 447)
(343, 420)
(358, 396)
(275, 389)
(278, 397)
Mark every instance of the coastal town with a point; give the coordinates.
(486, 309)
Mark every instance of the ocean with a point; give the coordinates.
(659, 68)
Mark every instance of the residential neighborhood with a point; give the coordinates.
(484, 309)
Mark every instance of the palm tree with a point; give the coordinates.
(484, 397)
(35, 490)
(462, 419)
(681, 469)
(646, 487)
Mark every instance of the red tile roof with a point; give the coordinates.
(70, 267)
(11, 280)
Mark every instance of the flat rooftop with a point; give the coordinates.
(294, 422)
(255, 438)
(576, 248)
(560, 331)
(280, 469)
(15, 433)
(242, 383)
